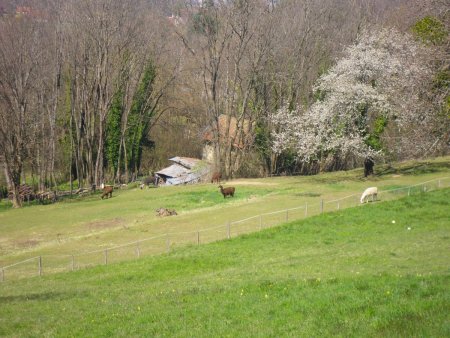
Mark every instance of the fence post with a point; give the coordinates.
(338, 206)
(106, 257)
(439, 184)
(287, 215)
(306, 209)
(229, 230)
(260, 222)
(138, 249)
(321, 206)
(409, 191)
(198, 237)
(73, 262)
(40, 265)
(168, 243)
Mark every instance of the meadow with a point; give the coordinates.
(80, 225)
(377, 270)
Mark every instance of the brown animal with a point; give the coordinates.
(227, 191)
(107, 190)
(368, 166)
(216, 177)
(149, 180)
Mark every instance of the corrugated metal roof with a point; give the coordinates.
(187, 162)
(181, 172)
(175, 170)
(185, 179)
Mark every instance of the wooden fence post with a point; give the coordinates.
(168, 243)
(338, 206)
(439, 184)
(40, 265)
(138, 249)
(198, 237)
(228, 230)
(260, 222)
(106, 257)
(306, 209)
(73, 262)
(287, 215)
(409, 191)
(321, 206)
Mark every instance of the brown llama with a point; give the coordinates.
(107, 190)
(216, 177)
(227, 191)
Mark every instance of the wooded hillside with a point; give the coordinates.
(107, 91)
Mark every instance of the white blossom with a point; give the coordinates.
(376, 77)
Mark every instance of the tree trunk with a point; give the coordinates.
(13, 173)
(99, 161)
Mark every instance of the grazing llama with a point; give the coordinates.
(369, 192)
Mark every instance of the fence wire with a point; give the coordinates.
(49, 264)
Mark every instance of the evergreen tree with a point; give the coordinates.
(140, 117)
(113, 126)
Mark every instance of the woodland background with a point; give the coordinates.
(107, 91)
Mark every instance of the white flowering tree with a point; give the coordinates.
(375, 84)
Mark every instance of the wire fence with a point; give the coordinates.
(48, 264)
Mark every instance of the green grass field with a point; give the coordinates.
(378, 270)
(77, 226)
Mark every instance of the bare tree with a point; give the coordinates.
(49, 87)
(101, 39)
(20, 58)
(229, 45)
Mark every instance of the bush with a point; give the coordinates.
(3, 192)
(430, 30)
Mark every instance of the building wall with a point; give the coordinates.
(208, 153)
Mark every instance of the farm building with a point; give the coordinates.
(230, 130)
(184, 170)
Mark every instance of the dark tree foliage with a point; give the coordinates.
(113, 131)
(140, 117)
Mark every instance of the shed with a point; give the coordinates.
(184, 170)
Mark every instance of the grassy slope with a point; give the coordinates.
(348, 273)
(82, 225)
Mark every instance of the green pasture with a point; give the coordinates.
(79, 225)
(379, 270)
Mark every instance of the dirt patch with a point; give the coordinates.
(109, 223)
(308, 194)
(251, 183)
(26, 244)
